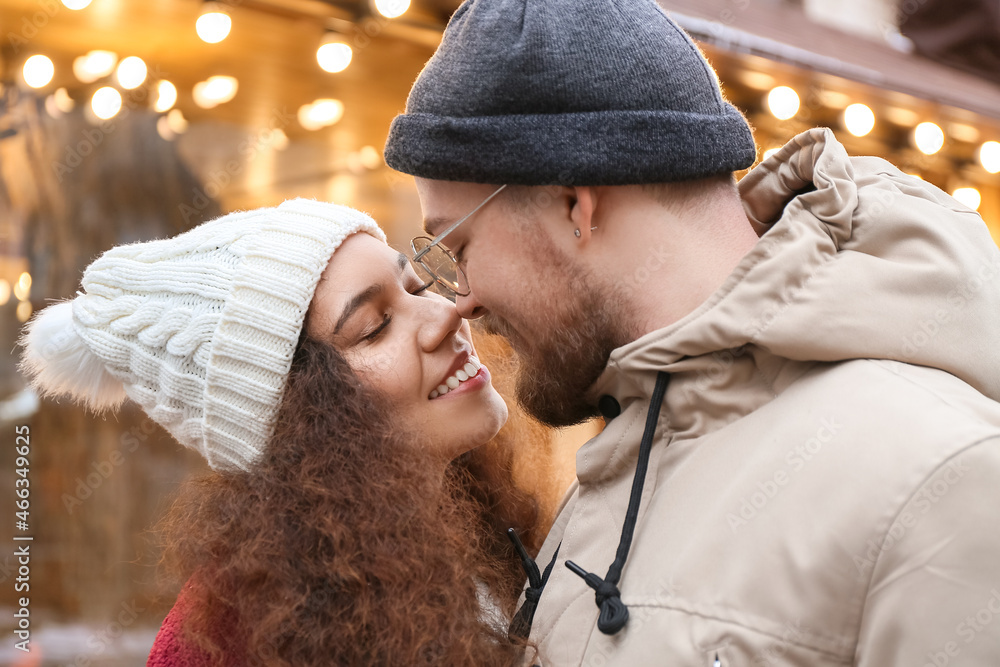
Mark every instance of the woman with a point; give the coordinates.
(330, 390)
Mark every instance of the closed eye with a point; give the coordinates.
(374, 335)
(387, 318)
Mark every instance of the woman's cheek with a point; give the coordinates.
(374, 368)
(396, 372)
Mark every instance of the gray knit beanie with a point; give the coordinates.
(567, 92)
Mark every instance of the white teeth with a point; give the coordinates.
(470, 370)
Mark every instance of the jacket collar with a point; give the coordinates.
(853, 257)
(719, 355)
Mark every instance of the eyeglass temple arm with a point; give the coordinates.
(440, 237)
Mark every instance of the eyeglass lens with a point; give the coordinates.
(439, 263)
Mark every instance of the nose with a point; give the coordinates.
(441, 321)
(469, 306)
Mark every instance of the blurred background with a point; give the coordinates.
(124, 120)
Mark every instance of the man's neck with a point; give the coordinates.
(668, 267)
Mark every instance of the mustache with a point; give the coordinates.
(496, 326)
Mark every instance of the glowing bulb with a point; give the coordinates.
(163, 129)
(76, 4)
(279, 140)
(320, 113)
(106, 102)
(963, 132)
(22, 288)
(769, 152)
(968, 196)
(758, 80)
(23, 311)
(989, 156)
(370, 157)
(63, 101)
(131, 72)
(4, 292)
(859, 119)
(928, 137)
(305, 120)
(354, 164)
(392, 8)
(901, 117)
(176, 121)
(334, 56)
(38, 71)
(783, 102)
(52, 108)
(213, 25)
(214, 91)
(327, 111)
(95, 65)
(166, 96)
(833, 99)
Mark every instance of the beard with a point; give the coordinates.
(565, 355)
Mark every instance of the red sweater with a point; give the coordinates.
(170, 649)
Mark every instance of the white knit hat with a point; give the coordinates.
(198, 329)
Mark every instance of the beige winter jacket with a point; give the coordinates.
(824, 481)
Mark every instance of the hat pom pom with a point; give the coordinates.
(58, 362)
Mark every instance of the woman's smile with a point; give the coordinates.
(408, 344)
(473, 376)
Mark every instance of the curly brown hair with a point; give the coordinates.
(345, 545)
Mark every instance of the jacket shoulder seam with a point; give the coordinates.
(895, 515)
(883, 363)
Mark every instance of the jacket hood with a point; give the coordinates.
(856, 260)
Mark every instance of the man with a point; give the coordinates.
(799, 374)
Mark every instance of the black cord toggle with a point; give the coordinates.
(614, 614)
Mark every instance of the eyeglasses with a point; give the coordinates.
(438, 262)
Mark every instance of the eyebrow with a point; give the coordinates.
(434, 223)
(366, 296)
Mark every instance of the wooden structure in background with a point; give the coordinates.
(271, 52)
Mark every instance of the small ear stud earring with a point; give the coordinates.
(576, 232)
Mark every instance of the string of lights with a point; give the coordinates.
(216, 21)
(859, 120)
(213, 25)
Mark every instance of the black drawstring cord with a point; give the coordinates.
(614, 613)
(520, 625)
(527, 562)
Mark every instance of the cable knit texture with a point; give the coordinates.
(198, 329)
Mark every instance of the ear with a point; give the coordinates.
(583, 202)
